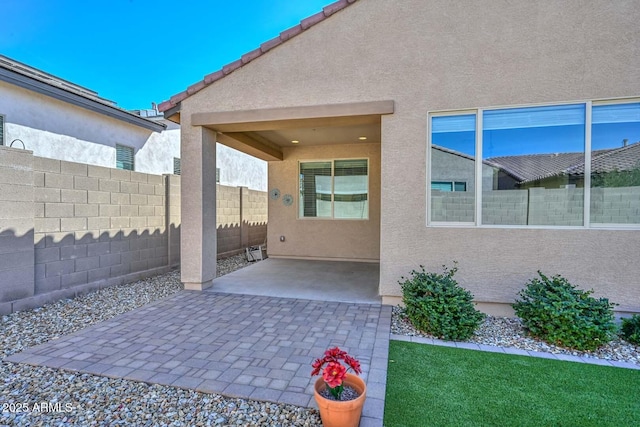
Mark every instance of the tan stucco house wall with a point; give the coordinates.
(317, 238)
(428, 56)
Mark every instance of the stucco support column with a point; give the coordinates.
(198, 246)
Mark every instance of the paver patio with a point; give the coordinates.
(246, 346)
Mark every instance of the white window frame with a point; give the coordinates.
(332, 218)
(429, 143)
(589, 104)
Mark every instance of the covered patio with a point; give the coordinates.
(330, 211)
(336, 281)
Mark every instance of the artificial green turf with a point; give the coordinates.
(443, 386)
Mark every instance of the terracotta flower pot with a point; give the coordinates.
(341, 413)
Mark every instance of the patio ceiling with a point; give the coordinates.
(265, 133)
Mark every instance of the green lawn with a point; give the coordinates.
(443, 386)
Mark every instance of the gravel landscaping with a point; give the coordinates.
(509, 332)
(38, 396)
(42, 396)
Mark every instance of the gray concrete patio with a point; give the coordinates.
(340, 281)
(249, 346)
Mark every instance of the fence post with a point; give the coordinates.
(17, 212)
(244, 225)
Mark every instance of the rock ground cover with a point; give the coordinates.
(31, 395)
(509, 332)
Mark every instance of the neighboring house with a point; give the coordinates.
(547, 170)
(385, 91)
(60, 120)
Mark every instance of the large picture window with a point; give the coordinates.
(453, 150)
(533, 167)
(615, 164)
(334, 189)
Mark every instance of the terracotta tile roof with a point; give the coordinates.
(621, 159)
(533, 167)
(304, 25)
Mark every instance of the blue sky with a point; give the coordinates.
(135, 52)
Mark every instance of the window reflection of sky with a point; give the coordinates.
(539, 130)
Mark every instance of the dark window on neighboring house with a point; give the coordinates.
(176, 166)
(1, 130)
(449, 185)
(124, 157)
(217, 175)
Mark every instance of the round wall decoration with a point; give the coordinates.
(274, 194)
(287, 200)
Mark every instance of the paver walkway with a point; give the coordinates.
(244, 346)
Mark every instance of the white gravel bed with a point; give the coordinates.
(39, 396)
(509, 332)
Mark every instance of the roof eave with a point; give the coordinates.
(173, 113)
(78, 100)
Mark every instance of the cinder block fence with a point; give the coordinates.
(69, 228)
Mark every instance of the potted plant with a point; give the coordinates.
(340, 395)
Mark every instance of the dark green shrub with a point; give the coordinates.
(437, 305)
(553, 310)
(631, 329)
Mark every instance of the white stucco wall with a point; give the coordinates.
(58, 130)
(55, 129)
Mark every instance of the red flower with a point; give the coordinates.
(333, 374)
(317, 365)
(353, 364)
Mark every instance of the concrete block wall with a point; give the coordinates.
(173, 218)
(254, 216)
(556, 206)
(452, 206)
(96, 226)
(241, 218)
(505, 207)
(540, 206)
(619, 205)
(68, 228)
(228, 218)
(16, 226)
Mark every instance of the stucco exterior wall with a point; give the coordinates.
(319, 237)
(54, 129)
(58, 130)
(442, 55)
